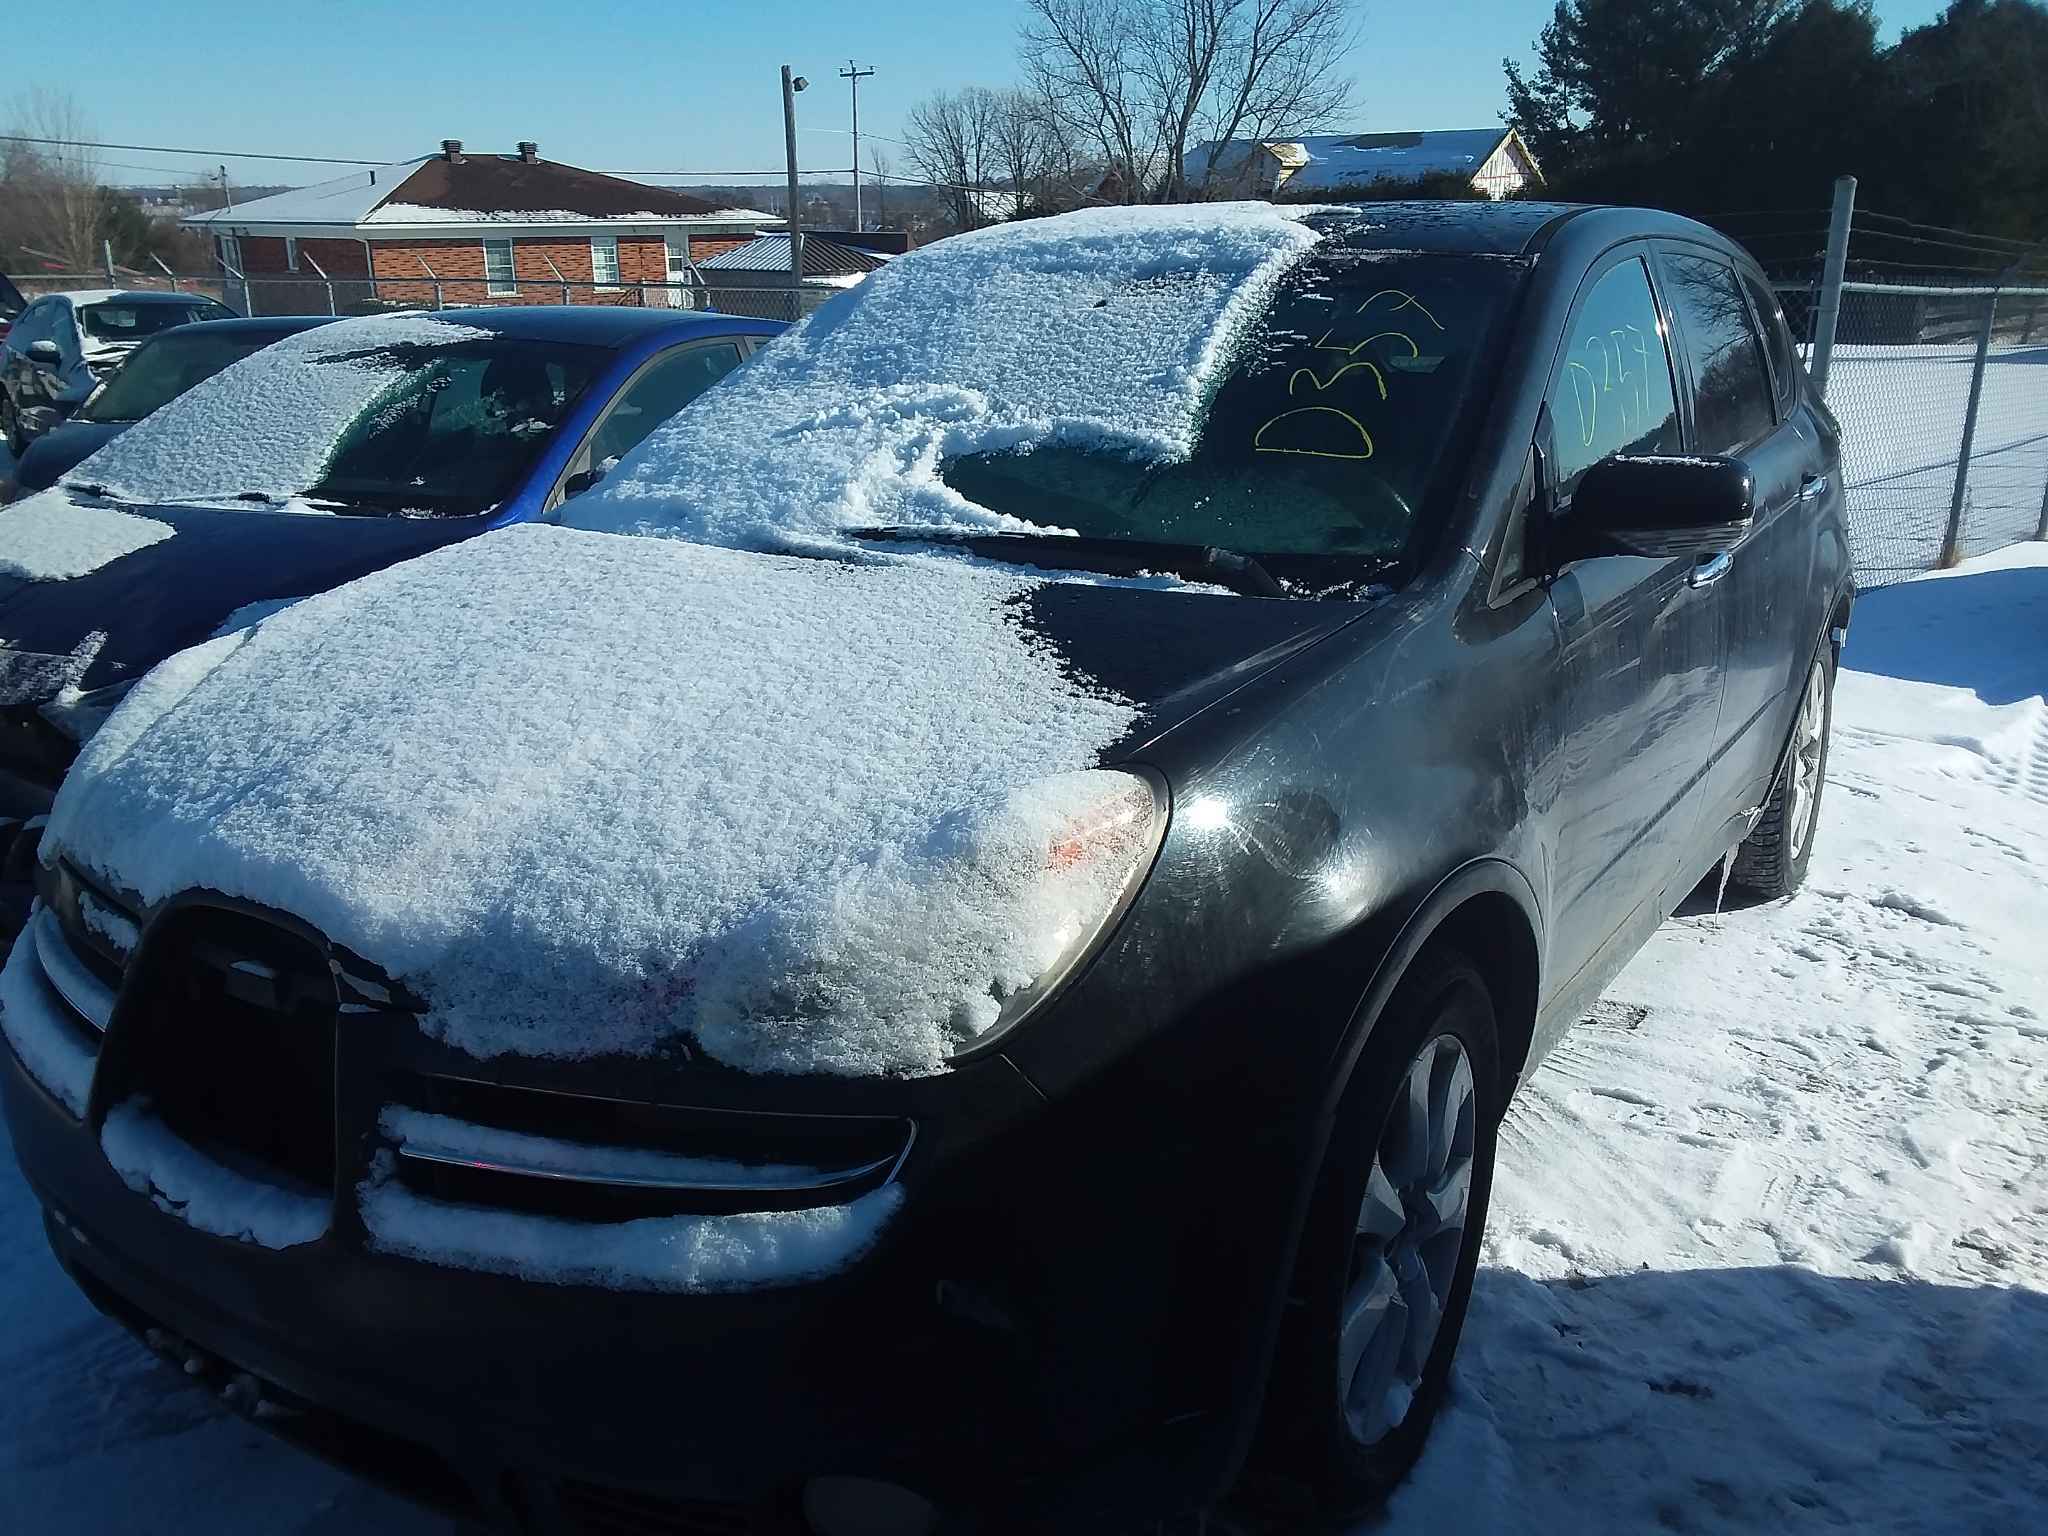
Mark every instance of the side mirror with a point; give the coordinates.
(580, 482)
(45, 352)
(1659, 506)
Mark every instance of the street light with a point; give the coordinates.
(791, 84)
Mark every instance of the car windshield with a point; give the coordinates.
(456, 427)
(1327, 435)
(167, 367)
(116, 321)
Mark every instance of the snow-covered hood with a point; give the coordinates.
(591, 795)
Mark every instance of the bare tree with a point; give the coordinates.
(951, 138)
(1145, 80)
(50, 193)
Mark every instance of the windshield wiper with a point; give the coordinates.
(1241, 573)
(101, 493)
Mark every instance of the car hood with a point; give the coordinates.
(584, 795)
(64, 448)
(134, 610)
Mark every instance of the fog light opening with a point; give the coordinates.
(864, 1506)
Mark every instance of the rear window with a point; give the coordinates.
(115, 321)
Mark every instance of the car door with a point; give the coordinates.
(663, 385)
(1642, 639)
(1737, 413)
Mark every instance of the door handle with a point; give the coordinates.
(1812, 487)
(1709, 569)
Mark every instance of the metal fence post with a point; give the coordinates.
(1831, 281)
(1952, 541)
(167, 272)
(544, 256)
(107, 256)
(323, 278)
(431, 277)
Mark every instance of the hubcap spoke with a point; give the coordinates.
(1380, 1214)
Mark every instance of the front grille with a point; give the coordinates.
(592, 1509)
(235, 1045)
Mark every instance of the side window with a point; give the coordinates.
(1785, 363)
(1731, 391)
(665, 388)
(28, 325)
(1612, 392)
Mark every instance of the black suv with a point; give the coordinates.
(1529, 530)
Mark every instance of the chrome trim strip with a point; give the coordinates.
(816, 1181)
(89, 997)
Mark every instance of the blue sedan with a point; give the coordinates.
(414, 431)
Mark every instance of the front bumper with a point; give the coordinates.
(1052, 1327)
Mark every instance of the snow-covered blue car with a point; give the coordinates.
(408, 431)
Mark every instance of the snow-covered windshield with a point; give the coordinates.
(1108, 328)
(166, 368)
(384, 414)
(1325, 437)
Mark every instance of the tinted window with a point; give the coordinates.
(166, 368)
(455, 432)
(665, 388)
(131, 322)
(1326, 436)
(1612, 393)
(1731, 391)
(1777, 340)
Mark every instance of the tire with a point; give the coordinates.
(1326, 1431)
(1771, 862)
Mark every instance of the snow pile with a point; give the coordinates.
(266, 423)
(656, 1253)
(421, 213)
(593, 795)
(49, 537)
(183, 1182)
(1107, 327)
(36, 1023)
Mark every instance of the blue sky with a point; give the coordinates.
(635, 86)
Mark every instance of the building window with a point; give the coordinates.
(604, 260)
(291, 253)
(498, 278)
(231, 254)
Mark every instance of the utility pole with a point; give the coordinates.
(853, 74)
(791, 84)
(226, 193)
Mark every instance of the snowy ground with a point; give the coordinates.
(1770, 1239)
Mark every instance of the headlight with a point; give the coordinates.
(1092, 838)
(933, 947)
(80, 715)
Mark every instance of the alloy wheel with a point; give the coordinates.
(1806, 755)
(1409, 1238)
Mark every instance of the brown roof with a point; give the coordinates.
(508, 184)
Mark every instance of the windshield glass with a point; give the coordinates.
(166, 368)
(456, 427)
(116, 321)
(1327, 435)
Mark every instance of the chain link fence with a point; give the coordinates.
(1942, 392)
(761, 295)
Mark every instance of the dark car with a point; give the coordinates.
(849, 1021)
(63, 344)
(158, 371)
(11, 304)
(420, 459)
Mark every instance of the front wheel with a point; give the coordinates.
(1771, 862)
(1387, 1258)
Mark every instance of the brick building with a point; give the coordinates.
(456, 228)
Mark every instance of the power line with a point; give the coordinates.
(169, 149)
(1943, 229)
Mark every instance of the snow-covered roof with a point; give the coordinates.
(1338, 159)
(465, 193)
(1106, 325)
(823, 257)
